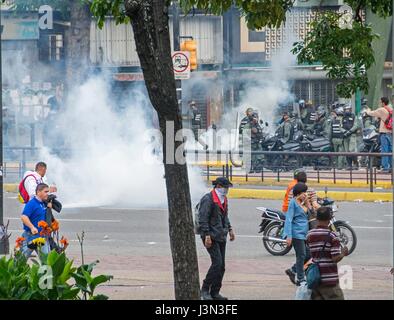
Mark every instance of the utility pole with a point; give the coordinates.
(177, 47)
(4, 242)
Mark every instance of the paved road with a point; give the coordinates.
(133, 245)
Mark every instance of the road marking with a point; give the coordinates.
(134, 209)
(77, 220)
(364, 227)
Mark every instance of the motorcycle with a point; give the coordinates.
(272, 228)
(316, 143)
(371, 143)
(279, 162)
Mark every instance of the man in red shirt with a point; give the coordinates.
(326, 251)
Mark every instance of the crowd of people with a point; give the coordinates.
(312, 242)
(338, 124)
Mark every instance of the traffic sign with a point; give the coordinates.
(181, 64)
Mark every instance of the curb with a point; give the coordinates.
(10, 187)
(239, 193)
(336, 195)
(312, 183)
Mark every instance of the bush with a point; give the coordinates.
(53, 277)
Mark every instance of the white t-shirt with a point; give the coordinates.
(32, 181)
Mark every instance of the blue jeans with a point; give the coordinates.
(27, 251)
(387, 146)
(302, 255)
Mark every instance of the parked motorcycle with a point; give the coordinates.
(281, 162)
(272, 227)
(316, 143)
(371, 143)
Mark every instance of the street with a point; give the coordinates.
(132, 244)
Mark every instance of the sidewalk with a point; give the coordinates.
(145, 277)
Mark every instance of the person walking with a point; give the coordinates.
(214, 227)
(33, 213)
(31, 179)
(384, 113)
(325, 249)
(295, 231)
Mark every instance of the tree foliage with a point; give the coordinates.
(258, 13)
(345, 53)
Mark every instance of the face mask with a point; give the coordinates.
(222, 191)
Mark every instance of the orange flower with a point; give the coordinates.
(46, 230)
(19, 242)
(55, 225)
(43, 224)
(64, 242)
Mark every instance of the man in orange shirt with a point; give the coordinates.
(286, 200)
(299, 176)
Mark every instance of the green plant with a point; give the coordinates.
(50, 278)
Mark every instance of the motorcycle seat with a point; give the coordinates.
(318, 143)
(276, 213)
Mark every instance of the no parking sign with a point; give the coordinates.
(181, 64)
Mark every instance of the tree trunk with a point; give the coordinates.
(77, 44)
(151, 32)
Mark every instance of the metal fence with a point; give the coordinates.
(369, 174)
(18, 159)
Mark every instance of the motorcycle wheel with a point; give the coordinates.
(346, 235)
(275, 248)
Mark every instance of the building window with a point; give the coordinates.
(55, 52)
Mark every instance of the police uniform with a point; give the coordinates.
(196, 123)
(353, 128)
(256, 135)
(310, 121)
(286, 131)
(337, 136)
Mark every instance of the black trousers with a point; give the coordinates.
(214, 277)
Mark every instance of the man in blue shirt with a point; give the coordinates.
(34, 212)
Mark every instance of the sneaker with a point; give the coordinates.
(218, 297)
(291, 275)
(299, 283)
(205, 295)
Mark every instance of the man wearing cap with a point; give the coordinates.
(214, 228)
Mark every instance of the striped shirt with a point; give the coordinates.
(328, 268)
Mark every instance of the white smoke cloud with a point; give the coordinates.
(111, 161)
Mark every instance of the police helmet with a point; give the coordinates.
(249, 110)
(339, 111)
(321, 111)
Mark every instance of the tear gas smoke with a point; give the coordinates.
(112, 160)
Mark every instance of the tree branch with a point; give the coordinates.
(132, 6)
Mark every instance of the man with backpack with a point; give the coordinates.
(325, 249)
(214, 226)
(385, 114)
(30, 181)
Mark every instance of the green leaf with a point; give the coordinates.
(98, 280)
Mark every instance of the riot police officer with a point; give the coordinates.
(353, 128)
(246, 120)
(322, 126)
(286, 129)
(310, 118)
(256, 139)
(195, 119)
(303, 111)
(337, 135)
